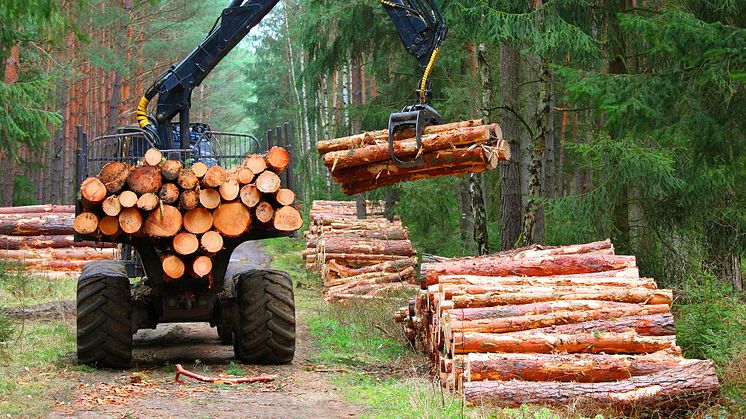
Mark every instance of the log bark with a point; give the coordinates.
(144, 179)
(185, 243)
(647, 325)
(394, 233)
(357, 258)
(342, 244)
(55, 265)
(148, 201)
(231, 219)
(46, 241)
(93, 190)
(130, 220)
(214, 177)
(114, 175)
(211, 242)
(171, 170)
(366, 279)
(264, 212)
(86, 223)
(250, 196)
(198, 220)
(209, 198)
(277, 159)
(169, 193)
(285, 197)
(199, 169)
(189, 200)
(538, 294)
(389, 266)
(496, 312)
(255, 163)
(165, 221)
(187, 179)
(38, 210)
(591, 279)
(268, 182)
(229, 190)
(201, 266)
(109, 226)
(153, 157)
(79, 253)
(287, 218)
(173, 266)
(111, 206)
(672, 388)
(127, 199)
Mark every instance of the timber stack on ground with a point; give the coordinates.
(363, 162)
(188, 211)
(553, 325)
(40, 239)
(358, 258)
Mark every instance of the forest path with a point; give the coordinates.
(298, 392)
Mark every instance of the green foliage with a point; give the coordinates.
(235, 369)
(23, 120)
(23, 191)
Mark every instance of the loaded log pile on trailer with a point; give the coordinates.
(187, 211)
(363, 162)
(40, 238)
(358, 258)
(553, 325)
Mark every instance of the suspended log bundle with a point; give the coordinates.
(358, 258)
(40, 238)
(185, 211)
(552, 325)
(363, 162)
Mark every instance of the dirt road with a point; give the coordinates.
(298, 392)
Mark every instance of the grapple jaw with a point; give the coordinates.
(418, 116)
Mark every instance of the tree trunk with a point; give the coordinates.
(39, 224)
(510, 178)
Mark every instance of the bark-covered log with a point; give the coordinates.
(496, 312)
(55, 264)
(370, 279)
(356, 258)
(171, 170)
(537, 294)
(38, 209)
(648, 325)
(591, 279)
(77, 253)
(187, 179)
(47, 241)
(388, 266)
(114, 175)
(287, 218)
(144, 179)
(169, 193)
(165, 221)
(231, 219)
(198, 220)
(189, 200)
(342, 244)
(395, 233)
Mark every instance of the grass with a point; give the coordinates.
(25, 290)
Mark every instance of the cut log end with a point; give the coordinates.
(114, 175)
(255, 163)
(285, 197)
(128, 199)
(189, 200)
(173, 266)
(85, 223)
(250, 196)
(109, 226)
(268, 182)
(264, 212)
(145, 179)
(93, 190)
(130, 220)
(201, 266)
(211, 242)
(148, 202)
(198, 220)
(165, 221)
(199, 169)
(209, 198)
(214, 177)
(229, 190)
(231, 219)
(169, 193)
(153, 157)
(185, 243)
(111, 206)
(187, 179)
(288, 218)
(278, 159)
(171, 170)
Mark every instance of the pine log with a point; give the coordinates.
(111, 206)
(169, 193)
(165, 221)
(199, 169)
(537, 294)
(277, 159)
(171, 170)
(38, 209)
(148, 201)
(264, 212)
(342, 244)
(646, 325)
(287, 218)
(611, 343)
(582, 368)
(130, 220)
(86, 223)
(198, 220)
(211, 242)
(591, 279)
(201, 266)
(388, 266)
(47, 241)
(189, 200)
(383, 234)
(209, 198)
(357, 258)
(93, 190)
(78, 253)
(114, 175)
(354, 282)
(451, 290)
(231, 219)
(55, 265)
(250, 196)
(127, 199)
(109, 226)
(244, 175)
(185, 243)
(187, 180)
(214, 177)
(153, 157)
(285, 196)
(144, 179)
(268, 182)
(674, 388)
(372, 137)
(229, 190)
(173, 266)
(255, 163)
(496, 312)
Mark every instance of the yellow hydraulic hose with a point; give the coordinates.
(141, 114)
(426, 75)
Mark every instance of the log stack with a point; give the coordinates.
(40, 237)
(358, 258)
(553, 325)
(363, 162)
(188, 211)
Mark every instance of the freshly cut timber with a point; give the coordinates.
(199, 169)
(148, 201)
(38, 209)
(285, 196)
(264, 212)
(93, 190)
(189, 200)
(173, 266)
(268, 182)
(171, 170)
(231, 219)
(114, 175)
(86, 223)
(109, 225)
(244, 175)
(130, 220)
(342, 244)
(128, 199)
(277, 159)
(153, 157)
(169, 193)
(229, 190)
(209, 198)
(198, 220)
(185, 243)
(211, 242)
(250, 196)
(287, 218)
(59, 241)
(648, 325)
(187, 180)
(144, 179)
(201, 266)
(388, 266)
(80, 253)
(590, 279)
(562, 306)
(164, 222)
(111, 206)
(255, 163)
(214, 177)
(537, 294)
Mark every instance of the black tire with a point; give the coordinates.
(104, 315)
(266, 324)
(225, 333)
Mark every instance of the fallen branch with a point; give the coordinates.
(241, 380)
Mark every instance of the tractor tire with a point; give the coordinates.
(225, 333)
(266, 323)
(104, 315)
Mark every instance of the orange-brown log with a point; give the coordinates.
(382, 234)
(165, 221)
(109, 225)
(250, 196)
(55, 265)
(388, 266)
(343, 244)
(255, 163)
(169, 193)
(277, 159)
(357, 258)
(173, 266)
(370, 279)
(537, 294)
(111, 206)
(214, 177)
(496, 312)
(264, 212)
(38, 209)
(114, 175)
(187, 180)
(153, 157)
(267, 182)
(591, 279)
(78, 253)
(130, 220)
(244, 175)
(211, 242)
(451, 290)
(229, 190)
(199, 169)
(189, 200)
(86, 223)
(647, 325)
(198, 220)
(144, 179)
(287, 218)
(127, 199)
(209, 198)
(93, 190)
(609, 343)
(58, 241)
(201, 266)
(674, 388)
(231, 219)
(171, 170)
(148, 201)
(285, 196)
(185, 243)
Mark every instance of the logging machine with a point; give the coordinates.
(252, 308)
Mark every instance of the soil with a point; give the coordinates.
(149, 390)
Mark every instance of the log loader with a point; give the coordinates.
(252, 308)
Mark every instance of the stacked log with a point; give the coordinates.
(363, 162)
(358, 258)
(552, 325)
(188, 211)
(40, 238)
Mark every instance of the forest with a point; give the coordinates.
(623, 119)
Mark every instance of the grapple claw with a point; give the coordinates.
(419, 116)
